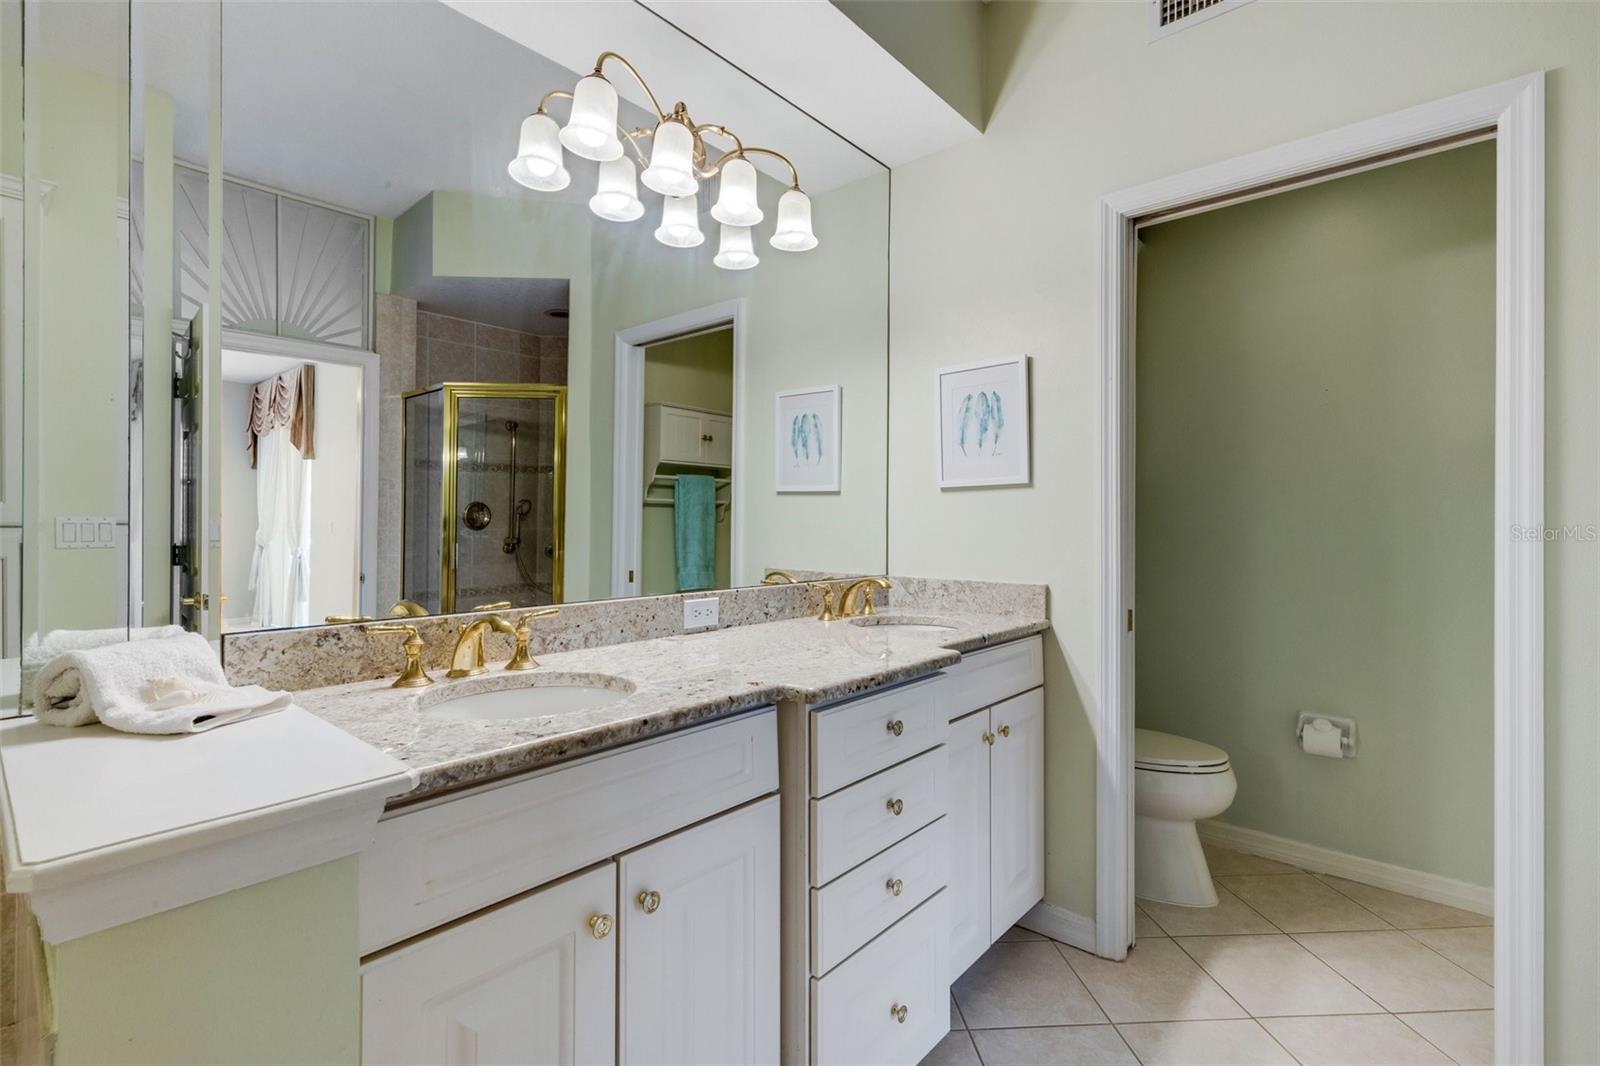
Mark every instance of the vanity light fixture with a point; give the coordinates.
(680, 158)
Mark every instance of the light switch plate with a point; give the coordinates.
(74, 532)
(698, 614)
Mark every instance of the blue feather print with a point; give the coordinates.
(985, 416)
(963, 416)
(999, 420)
(816, 431)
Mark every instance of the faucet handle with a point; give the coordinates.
(520, 659)
(414, 676)
(828, 614)
(498, 605)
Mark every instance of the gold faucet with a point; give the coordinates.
(520, 659)
(863, 590)
(467, 659)
(413, 676)
(498, 605)
(408, 609)
(779, 577)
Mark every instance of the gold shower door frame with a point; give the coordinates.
(454, 393)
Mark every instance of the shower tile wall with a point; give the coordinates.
(485, 572)
(455, 349)
(396, 344)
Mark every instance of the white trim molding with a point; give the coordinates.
(1058, 923)
(627, 456)
(1435, 888)
(1513, 112)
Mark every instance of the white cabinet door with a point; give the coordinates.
(530, 982)
(699, 948)
(680, 435)
(716, 440)
(1016, 808)
(970, 934)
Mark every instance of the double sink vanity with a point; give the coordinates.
(773, 841)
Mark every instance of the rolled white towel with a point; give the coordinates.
(38, 650)
(161, 685)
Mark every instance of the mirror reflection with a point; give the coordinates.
(387, 308)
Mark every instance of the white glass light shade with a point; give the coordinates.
(680, 222)
(617, 198)
(793, 233)
(736, 195)
(538, 161)
(671, 169)
(591, 131)
(736, 251)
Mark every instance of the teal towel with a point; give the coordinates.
(694, 531)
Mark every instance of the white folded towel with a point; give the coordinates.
(37, 650)
(161, 685)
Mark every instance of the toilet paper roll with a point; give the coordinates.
(1322, 737)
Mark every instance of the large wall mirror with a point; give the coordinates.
(286, 342)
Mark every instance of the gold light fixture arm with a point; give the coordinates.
(601, 62)
(794, 174)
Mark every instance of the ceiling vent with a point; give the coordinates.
(1170, 16)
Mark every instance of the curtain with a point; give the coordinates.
(280, 443)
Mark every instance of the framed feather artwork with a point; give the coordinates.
(981, 413)
(806, 440)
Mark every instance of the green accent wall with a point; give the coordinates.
(263, 974)
(691, 372)
(1315, 503)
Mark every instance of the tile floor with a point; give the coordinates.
(1289, 967)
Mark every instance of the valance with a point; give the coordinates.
(287, 399)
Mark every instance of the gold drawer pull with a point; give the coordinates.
(896, 727)
(895, 886)
(649, 901)
(600, 926)
(1005, 731)
(895, 806)
(898, 1012)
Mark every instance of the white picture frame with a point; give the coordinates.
(805, 439)
(981, 423)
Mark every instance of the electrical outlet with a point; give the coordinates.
(698, 614)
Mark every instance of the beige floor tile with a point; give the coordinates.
(1470, 949)
(1404, 912)
(1465, 1035)
(1144, 926)
(1024, 984)
(1157, 982)
(1299, 903)
(1016, 934)
(1241, 1043)
(955, 1015)
(1349, 1040)
(1227, 862)
(1230, 916)
(1399, 972)
(954, 1050)
(1089, 1045)
(1273, 975)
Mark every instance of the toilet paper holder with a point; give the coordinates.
(1315, 733)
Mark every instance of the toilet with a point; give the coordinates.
(1176, 782)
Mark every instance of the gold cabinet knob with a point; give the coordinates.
(895, 886)
(898, 1012)
(895, 806)
(600, 925)
(649, 901)
(1005, 731)
(896, 727)
(988, 738)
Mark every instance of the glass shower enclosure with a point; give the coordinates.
(485, 477)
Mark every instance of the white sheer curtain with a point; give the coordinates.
(279, 573)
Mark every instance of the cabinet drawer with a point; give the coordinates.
(433, 865)
(853, 1016)
(861, 904)
(986, 677)
(853, 740)
(856, 823)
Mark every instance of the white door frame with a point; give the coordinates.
(1513, 111)
(239, 340)
(627, 453)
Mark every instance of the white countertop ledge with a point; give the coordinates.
(103, 828)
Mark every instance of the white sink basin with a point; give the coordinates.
(542, 699)
(930, 629)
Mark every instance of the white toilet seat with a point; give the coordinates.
(1166, 753)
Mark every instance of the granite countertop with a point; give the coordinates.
(671, 682)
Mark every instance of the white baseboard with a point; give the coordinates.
(1058, 923)
(1431, 887)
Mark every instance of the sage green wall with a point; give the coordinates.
(1315, 503)
(264, 974)
(996, 251)
(940, 41)
(694, 372)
